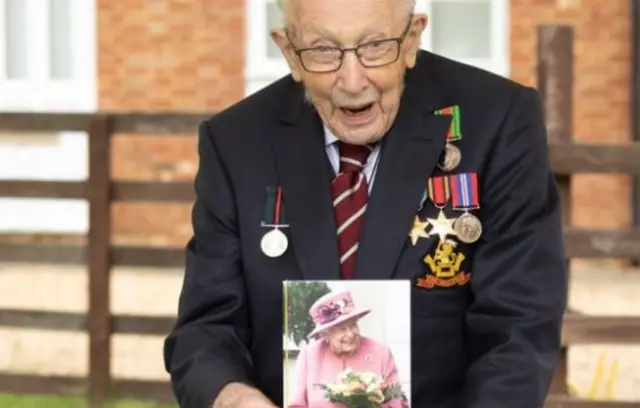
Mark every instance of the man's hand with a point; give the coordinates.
(237, 395)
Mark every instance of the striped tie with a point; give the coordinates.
(350, 191)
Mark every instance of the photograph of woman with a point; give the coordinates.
(340, 366)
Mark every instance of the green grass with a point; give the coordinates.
(20, 401)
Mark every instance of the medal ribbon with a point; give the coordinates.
(453, 132)
(274, 211)
(464, 191)
(439, 190)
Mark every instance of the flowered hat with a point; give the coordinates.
(333, 309)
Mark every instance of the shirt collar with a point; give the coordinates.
(329, 137)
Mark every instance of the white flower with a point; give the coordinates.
(339, 388)
(342, 377)
(368, 377)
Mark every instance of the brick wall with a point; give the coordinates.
(170, 55)
(602, 69)
(189, 55)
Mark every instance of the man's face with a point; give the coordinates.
(358, 103)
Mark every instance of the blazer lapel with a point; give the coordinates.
(302, 166)
(409, 154)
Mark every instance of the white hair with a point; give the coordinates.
(409, 4)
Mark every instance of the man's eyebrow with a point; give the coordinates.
(317, 34)
(375, 35)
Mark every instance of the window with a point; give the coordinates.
(470, 31)
(265, 62)
(47, 64)
(47, 55)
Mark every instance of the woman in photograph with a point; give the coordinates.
(337, 345)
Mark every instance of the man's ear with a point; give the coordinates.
(280, 38)
(414, 35)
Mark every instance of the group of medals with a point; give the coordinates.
(459, 189)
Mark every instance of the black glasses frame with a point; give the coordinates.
(399, 40)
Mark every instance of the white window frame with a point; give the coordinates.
(38, 92)
(499, 62)
(49, 156)
(261, 70)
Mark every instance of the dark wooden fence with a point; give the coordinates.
(99, 254)
(567, 158)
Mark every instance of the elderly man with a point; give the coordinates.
(375, 160)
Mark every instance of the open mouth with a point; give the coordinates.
(357, 110)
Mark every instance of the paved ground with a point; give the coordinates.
(145, 291)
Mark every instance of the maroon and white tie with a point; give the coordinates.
(350, 192)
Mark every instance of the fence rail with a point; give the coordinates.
(566, 158)
(578, 329)
(579, 243)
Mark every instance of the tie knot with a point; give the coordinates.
(352, 157)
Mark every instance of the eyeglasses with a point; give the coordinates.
(372, 54)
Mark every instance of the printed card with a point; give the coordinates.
(347, 344)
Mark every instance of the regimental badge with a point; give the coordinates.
(445, 267)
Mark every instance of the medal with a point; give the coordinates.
(468, 228)
(441, 226)
(452, 157)
(452, 154)
(418, 230)
(275, 242)
(464, 191)
(438, 188)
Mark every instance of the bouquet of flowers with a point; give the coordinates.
(361, 390)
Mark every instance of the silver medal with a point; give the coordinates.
(274, 243)
(452, 157)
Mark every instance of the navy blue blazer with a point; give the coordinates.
(484, 335)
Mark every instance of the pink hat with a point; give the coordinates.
(333, 309)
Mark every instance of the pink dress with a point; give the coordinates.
(317, 364)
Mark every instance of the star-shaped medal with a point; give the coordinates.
(441, 226)
(418, 230)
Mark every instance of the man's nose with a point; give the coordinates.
(352, 74)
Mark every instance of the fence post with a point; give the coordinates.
(99, 265)
(555, 83)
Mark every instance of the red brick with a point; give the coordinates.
(170, 55)
(601, 98)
